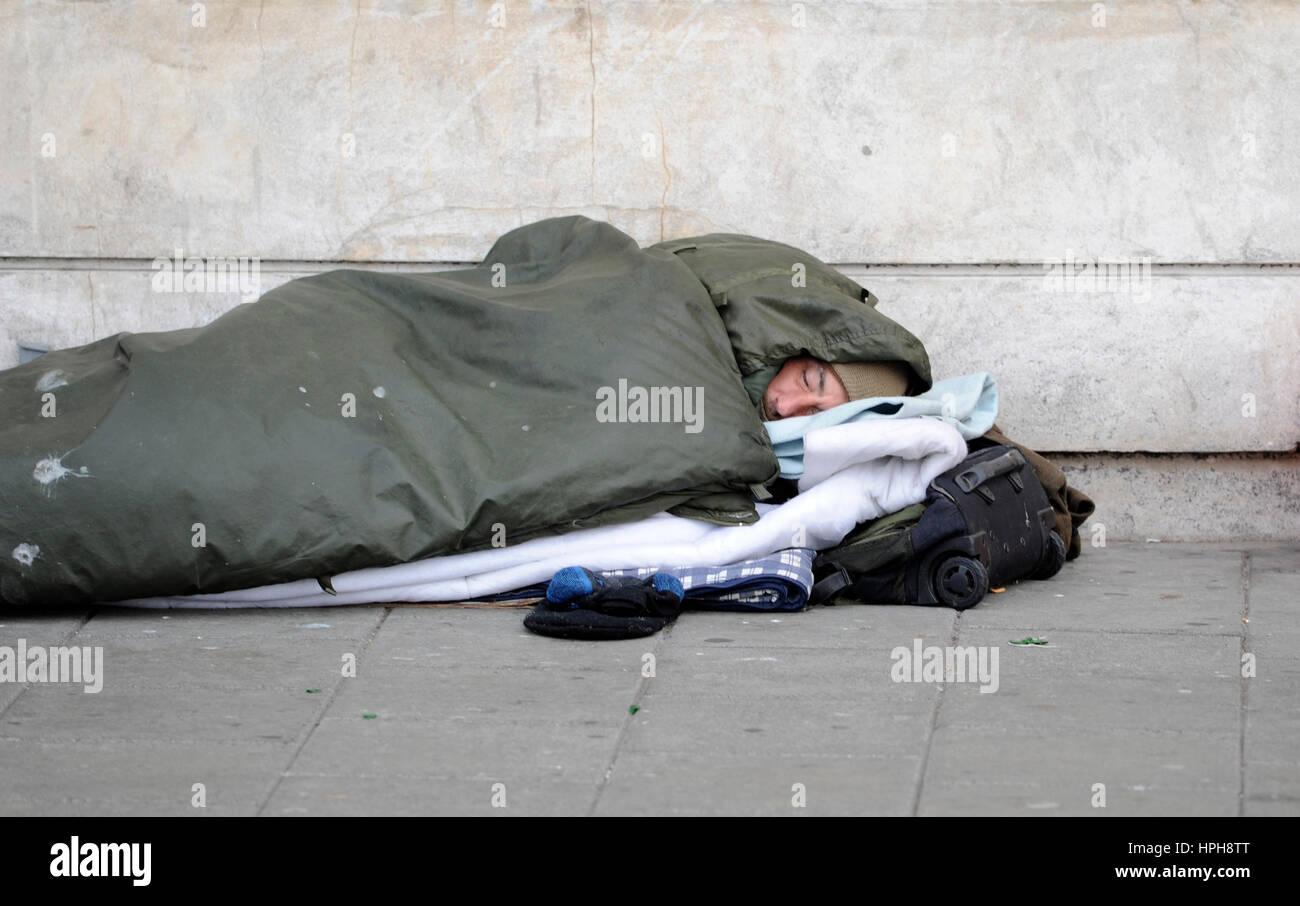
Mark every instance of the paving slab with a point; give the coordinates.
(1009, 770)
(1127, 587)
(758, 785)
(111, 777)
(364, 795)
(1140, 687)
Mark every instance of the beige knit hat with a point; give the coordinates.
(863, 380)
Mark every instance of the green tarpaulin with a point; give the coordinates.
(355, 419)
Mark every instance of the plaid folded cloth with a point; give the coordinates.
(779, 581)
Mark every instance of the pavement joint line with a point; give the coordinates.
(85, 618)
(1150, 786)
(637, 697)
(1104, 632)
(915, 807)
(320, 714)
(267, 744)
(1245, 638)
(883, 755)
(1032, 785)
(1057, 730)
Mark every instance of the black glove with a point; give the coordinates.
(581, 604)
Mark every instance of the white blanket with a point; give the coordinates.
(853, 472)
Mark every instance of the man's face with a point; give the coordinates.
(803, 386)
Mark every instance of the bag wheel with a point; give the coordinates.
(1053, 558)
(960, 582)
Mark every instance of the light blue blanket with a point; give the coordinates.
(969, 403)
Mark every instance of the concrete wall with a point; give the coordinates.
(951, 157)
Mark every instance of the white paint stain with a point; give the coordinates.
(51, 469)
(380, 392)
(25, 553)
(51, 379)
(313, 625)
(303, 389)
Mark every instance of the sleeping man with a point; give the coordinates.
(804, 385)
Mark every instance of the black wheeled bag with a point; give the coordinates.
(986, 522)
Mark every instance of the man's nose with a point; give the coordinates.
(789, 404)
